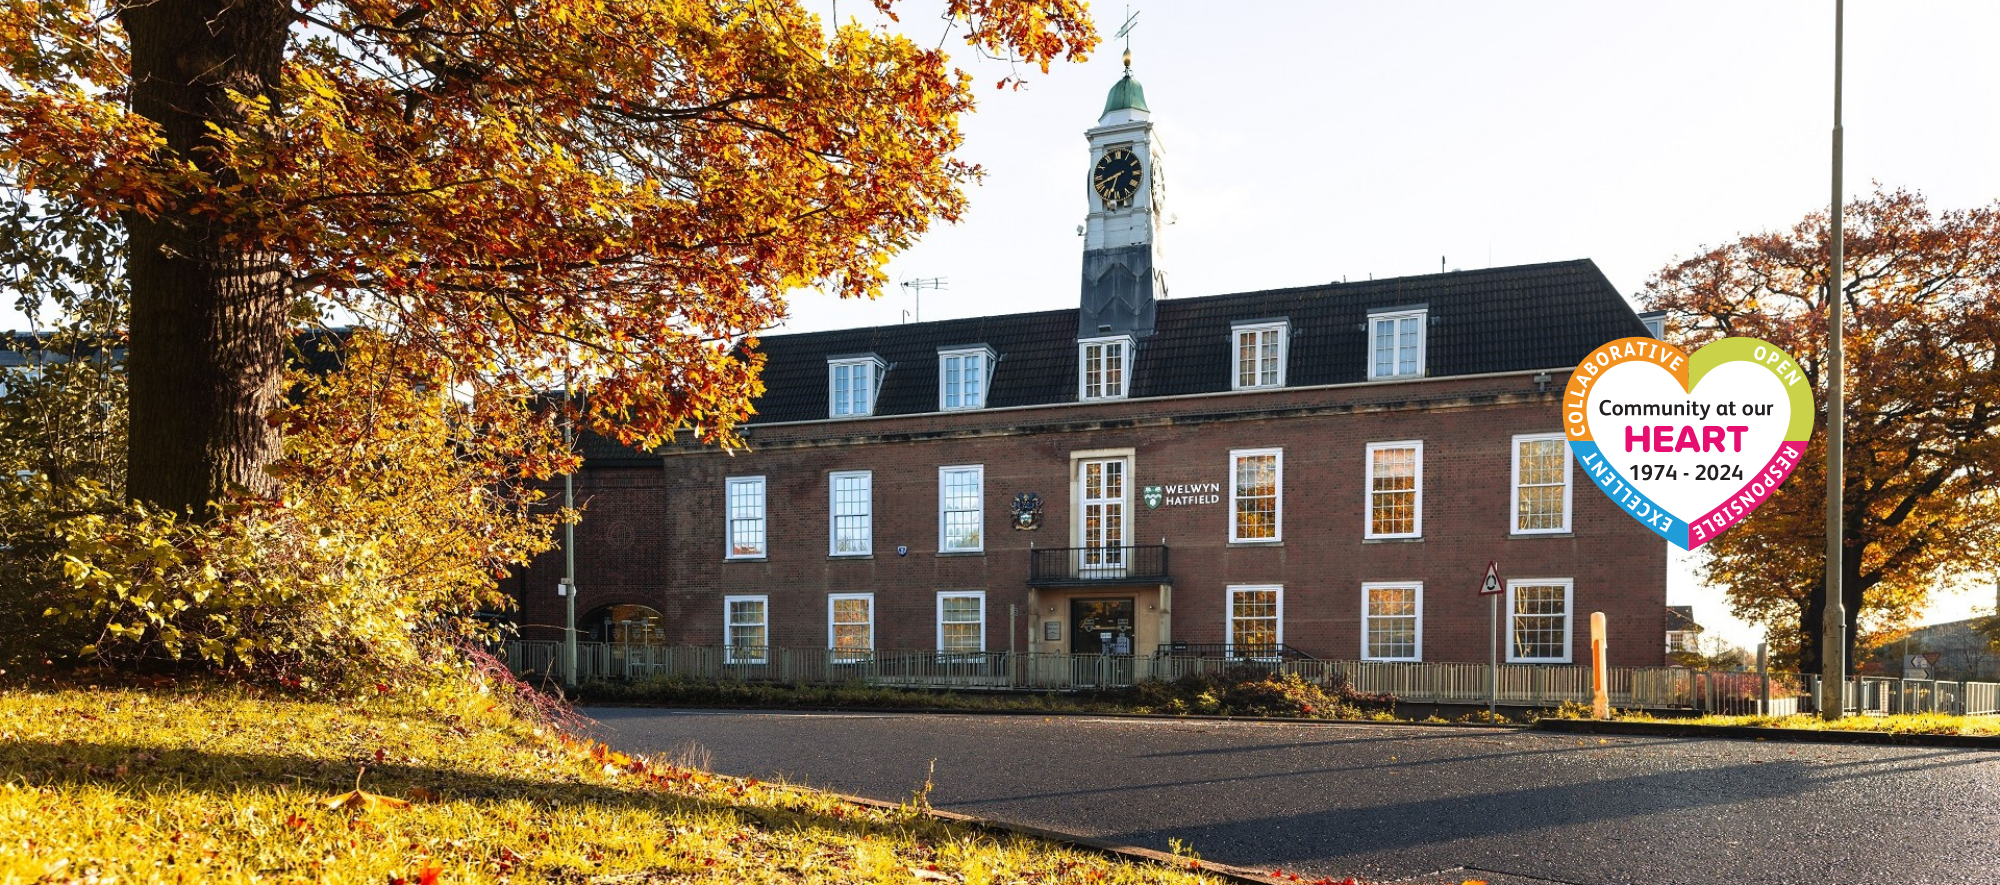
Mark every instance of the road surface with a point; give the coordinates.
(1388, 802)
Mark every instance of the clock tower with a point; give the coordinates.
(1121, 274)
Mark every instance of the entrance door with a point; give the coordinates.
(1103, 626)
(1103, 509)
(1102, 641)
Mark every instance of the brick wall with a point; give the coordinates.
(654, 535)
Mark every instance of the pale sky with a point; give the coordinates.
(1308, 141)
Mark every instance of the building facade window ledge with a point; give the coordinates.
(1392, 540)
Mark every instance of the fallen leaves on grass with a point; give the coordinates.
(362, 800)
(357, 798)
(1283, 876)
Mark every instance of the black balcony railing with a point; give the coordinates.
(1057, 566)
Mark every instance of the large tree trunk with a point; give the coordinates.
(209, 306)
(1810, 619)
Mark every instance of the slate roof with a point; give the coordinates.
(23, 349)
(1537, 316)
(605, 451)
(1680, 618)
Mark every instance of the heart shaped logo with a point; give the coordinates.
(1688, 444)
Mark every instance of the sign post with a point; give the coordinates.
(1490, 589)
(1918, 667)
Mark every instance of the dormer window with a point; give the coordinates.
(1396, 341)
(964, 374)
(1656, 323)
(1260, 353)
(1104, 367)
(852, 383)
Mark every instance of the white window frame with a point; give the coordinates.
(1083, 346)
(1278, 516)
(1514, 484)
(944, 539)
(763, 518)
(987, 358)
(729, 626)
(833, 367)
(1422, 316)
(833, 513)
(1279, 328)
(1368, 491)
(957, 594)
(1229, 614)
(1569, 619)
(1655, 323)
(1367, 618)
(832, 634)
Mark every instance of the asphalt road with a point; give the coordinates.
(1400, 802)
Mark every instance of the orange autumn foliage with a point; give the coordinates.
(513, 198)
(1922, 345)
(531, 194)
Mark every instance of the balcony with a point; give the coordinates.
(1088, 566)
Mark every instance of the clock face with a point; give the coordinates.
(1116, 177)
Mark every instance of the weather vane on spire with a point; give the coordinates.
(1125, 31)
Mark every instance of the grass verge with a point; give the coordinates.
(219, 786)
(1910, 723)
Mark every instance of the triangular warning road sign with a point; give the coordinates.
(1492, 584)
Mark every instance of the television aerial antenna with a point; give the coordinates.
(917, 287)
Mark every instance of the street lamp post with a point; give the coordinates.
(1833, 624)
(569, 559)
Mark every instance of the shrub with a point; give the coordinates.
(1254, 689)
(397, 517)
(62, 416)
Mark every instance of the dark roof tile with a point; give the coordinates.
(1537, 316)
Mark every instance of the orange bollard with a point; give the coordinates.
(1600, 699)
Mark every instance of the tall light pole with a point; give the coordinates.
(569, 554)
(1833, 623)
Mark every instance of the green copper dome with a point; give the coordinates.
(1126, 93)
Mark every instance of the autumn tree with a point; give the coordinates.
(400, 504)
(526, 193)
(1922, 301)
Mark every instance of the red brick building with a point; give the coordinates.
(1327, 468)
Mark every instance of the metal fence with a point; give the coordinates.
(1887, 696)
(1520, 685)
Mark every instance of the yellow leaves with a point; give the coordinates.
(407, 528)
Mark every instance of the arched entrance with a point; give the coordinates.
(628, 624)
